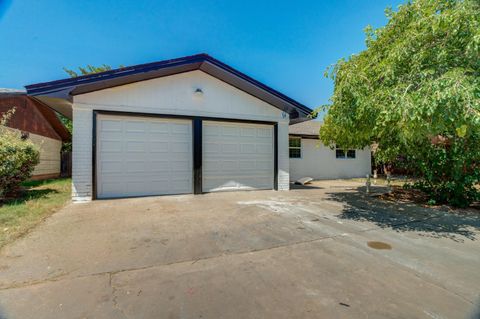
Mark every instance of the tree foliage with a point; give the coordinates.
(89, 69)
(18, 157)
(415, 91)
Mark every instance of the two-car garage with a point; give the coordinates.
(147, 155)
(180, 126)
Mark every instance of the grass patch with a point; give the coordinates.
(39, 200)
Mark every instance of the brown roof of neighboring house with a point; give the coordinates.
(31, 115)
(309, 128)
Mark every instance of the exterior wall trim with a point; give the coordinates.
(305, 136)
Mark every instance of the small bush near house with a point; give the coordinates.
(18, 157)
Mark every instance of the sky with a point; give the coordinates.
(284, 44)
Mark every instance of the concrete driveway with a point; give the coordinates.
(326, 251)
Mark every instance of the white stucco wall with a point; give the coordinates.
(320, 162)
(168, 95)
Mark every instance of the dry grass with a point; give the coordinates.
(39, 200)
(382, 181)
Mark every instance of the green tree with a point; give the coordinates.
(89, 69)
(415, 91)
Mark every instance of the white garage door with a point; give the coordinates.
(140, 156)
(237, 156)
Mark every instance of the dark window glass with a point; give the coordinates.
(295, 142)
(340, 153)
(351, 154)
(295, 153)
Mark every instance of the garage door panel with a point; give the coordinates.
(210, 147)
(183, 129)
(181, 184)
(136, 126)
(158, 147)
(137, 188)
(135, 136)
(112, 146)
(230, 131)
(159, 129)
(210, 166)
(248, 131)
(229, 148)
(111, 125)
(247, 148)
(111, 135)
(113, 188)
(136, 146)
(137, 167)
(180, 147)
(245, 165)
(143, 156)
(211, 130)
(262, 165)
(157, 166)
(180, 166)
(237, 156)
(111, 166)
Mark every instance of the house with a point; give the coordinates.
(187, 125)
(41, 125)
(310, 158)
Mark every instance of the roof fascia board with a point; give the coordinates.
(50, 92)
(134, 78)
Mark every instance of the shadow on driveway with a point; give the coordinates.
(306, 186)
(407, 216)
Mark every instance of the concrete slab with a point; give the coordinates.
(85, 297)
(298, 254)
(328, 281)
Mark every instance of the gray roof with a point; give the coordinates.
(308, 128)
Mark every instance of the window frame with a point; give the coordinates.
(345, 153)
(295, 147)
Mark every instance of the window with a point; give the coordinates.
(295, 147)
(341, 153)
(351, 154)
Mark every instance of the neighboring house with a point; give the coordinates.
(187, 125)
(41, 125)
(310, 158)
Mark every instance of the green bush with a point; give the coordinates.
(18, 157)
(415, 94)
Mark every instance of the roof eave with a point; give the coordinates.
(59, 94)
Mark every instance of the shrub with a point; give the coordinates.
(18, 157)
(415, 94)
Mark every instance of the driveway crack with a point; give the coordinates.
(115, 296)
